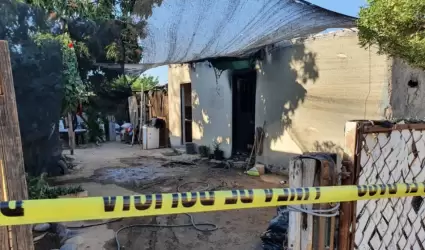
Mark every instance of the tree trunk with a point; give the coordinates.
(71, 134)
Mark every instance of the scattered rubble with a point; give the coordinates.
(177, 163)
(41, 227)
(239, 164)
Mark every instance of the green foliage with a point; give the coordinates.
(118, 22)
(104, 31)
(82, 8)
(112, 51)
(135, 82)
(95, 132)
(397, 27)
(216, 146)
(75, 90)
(38, 188)
(147, 82)
(204, 151)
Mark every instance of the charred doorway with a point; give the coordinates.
(244, 85)
(186, 112)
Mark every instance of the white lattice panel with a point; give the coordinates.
(387, 158)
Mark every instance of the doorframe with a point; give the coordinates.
(182, 115)
(183, 112)
(234, 75)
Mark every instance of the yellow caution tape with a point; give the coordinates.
(77, 209)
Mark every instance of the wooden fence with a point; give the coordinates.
(156, 106)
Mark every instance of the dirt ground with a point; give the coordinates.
(119, 169)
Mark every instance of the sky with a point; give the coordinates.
(347, 7)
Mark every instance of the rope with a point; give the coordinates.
(192, 223)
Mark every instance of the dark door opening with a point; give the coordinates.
(243, 108)
(186, 112)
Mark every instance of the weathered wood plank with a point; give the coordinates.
(295, 181)
(14, 186)
(71, 134)
(347, 208)
(322, 232)
(4, 231)
(309, 171)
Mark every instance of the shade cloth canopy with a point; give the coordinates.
(191, 30)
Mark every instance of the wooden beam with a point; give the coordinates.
(12, 169)
(295, 181)
(325, 172)
(348, 178)
(307, 226)
(300, 232)
(71, 134)
(368, 129)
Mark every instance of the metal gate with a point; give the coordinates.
(383, 153)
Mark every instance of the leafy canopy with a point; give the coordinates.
(104, 31)
(135, 82)
(147, 82)
(114, 25)
(397, 27)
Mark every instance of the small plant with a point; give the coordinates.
(216, 146)
(38, 188)
(218, 153)
(204, 151)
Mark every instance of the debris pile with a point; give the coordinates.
(276, 235)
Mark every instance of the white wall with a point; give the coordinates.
(307, 92)
(177, 74)
(211, 105)
(407, 102)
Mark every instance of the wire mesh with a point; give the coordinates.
(397, 223)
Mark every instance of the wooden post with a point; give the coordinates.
(71, 134)
(133, 108)
(12, 170)
(325, 172)
(142, 114)
(111, 128)
(309, 171)
(300, 231)
(295, 181)
(348, 178)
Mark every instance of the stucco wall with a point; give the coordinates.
(211, 108)
(407, 102)
(211, 105)
(307, 92)
(177, 74)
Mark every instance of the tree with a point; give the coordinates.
(109, 28)
(135, 83)
(148, 82)
(104, 31)
(42, 50)
(38, 78)
(397, 27)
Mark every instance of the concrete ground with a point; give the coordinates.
(119, 169)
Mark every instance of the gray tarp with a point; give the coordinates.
(190, 30)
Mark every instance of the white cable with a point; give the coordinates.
(314, 212)
(319, 210)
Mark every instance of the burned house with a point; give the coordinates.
(300, 92)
